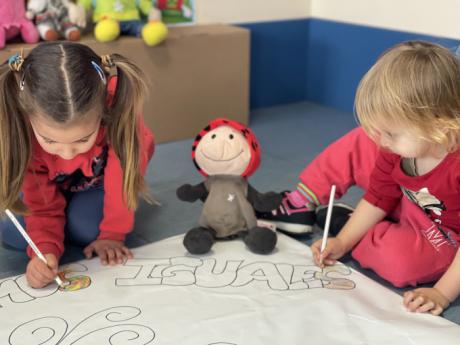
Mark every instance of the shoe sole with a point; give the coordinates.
(340, 204)
(290, 227)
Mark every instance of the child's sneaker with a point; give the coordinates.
(340, 215)
(287, 217)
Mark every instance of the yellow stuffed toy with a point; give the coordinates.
(115, 17)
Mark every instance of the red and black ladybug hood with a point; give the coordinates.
(251, 139)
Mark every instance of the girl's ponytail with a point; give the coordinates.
(123, 126)
(15, 143)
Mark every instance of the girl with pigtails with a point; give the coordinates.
(73, 152)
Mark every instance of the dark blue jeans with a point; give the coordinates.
(83, 215)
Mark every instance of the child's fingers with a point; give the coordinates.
(416, 303)
(122, 254)
(325, 255)
(317, 260)
(45, 272)
(34, 282)
(52, 262)
(111, 256)
(329, 262)
(37, 280)
(408, 297)
(437, 310)
(88, 251)
(102, 253)
(119, 255)
(315, 255)
(127, 252)
(426, 307)
(316, 252)
(40, 270)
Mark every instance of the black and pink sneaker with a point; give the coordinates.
(291, 219)
(340, 215)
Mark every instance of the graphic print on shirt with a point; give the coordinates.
(78, 182)
(433, 208)
(426, 201)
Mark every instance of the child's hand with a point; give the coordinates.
(109, 251)
(334, 250)
(425, 300)
(40, 274)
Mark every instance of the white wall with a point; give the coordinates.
(432, 17)
(247, 11)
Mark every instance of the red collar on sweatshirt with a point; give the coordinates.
(57, 165)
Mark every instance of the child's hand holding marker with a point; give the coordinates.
(42, 269)
(40, 273)
(327, 251)
(333, 250)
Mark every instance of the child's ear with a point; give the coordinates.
(111, 89)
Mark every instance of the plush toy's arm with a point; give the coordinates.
(263, 202)
(77, 13)
(191, 193)
(145, 6)
(149, 10)
(34, 7)
(87, 4)
(154, 15)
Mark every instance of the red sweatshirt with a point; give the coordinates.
(437, 192)
(48, 176)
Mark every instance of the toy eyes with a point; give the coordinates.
(231, 136)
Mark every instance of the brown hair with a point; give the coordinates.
(415, 85)
(58, 80)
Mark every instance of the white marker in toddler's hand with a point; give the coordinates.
(31, 243)
(328, 223)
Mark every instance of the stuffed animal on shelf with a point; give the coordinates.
(227, 153)
(14, 22)
(57, 19)
(115, 17)
(175, 11)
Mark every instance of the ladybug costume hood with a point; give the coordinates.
(248, 135)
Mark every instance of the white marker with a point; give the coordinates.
(30, 242)
(328, 220)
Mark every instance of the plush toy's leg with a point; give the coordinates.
(261, 240)
(47, 31)
(69, 30)
(154, 33)
(72, 34)
(199, 240)
(29, 32)
(2, 38)
(107, 30)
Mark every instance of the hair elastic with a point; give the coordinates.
(22, 82)
(100, 72)
(107, 61)
(15, 62)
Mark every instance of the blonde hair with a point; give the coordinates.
(60, 81)
(415, 85)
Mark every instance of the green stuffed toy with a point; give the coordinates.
(115, 17)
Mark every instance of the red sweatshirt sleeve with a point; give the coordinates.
(118, 219)
(383, 191)
(46, 204)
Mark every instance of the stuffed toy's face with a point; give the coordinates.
(224, 150)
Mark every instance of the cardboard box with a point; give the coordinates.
(198, 73)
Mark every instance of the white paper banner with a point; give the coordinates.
(229, 297)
